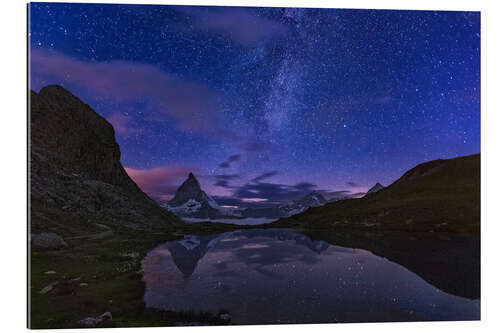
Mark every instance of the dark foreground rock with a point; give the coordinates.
(96, 321)
(47, 240)
(75, 170)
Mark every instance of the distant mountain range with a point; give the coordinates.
(439, 196)
(190, 201)
(313, 199)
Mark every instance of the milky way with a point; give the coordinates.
(267, 104)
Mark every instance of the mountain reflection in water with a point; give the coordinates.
(264, 276)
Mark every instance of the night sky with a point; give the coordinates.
(264, 105)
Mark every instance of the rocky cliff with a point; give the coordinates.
(76, 178)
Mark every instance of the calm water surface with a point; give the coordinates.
(281, 276)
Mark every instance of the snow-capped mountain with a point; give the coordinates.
(313, 199)
(187, 252)
(191, 201)
(377, 187)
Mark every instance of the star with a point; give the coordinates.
(317, 96)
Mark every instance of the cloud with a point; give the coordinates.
(281, 193)
(265, 175)
(305, 187)
(231, 159)
(222, 183)
(122, 124)
(234, 158)
(125, 82)
(227, 177)
(228, 201)
(256, 146)
(264, 195)
(239, 24)
(329, 195)
(352, 184)
(159, 183)
(223, 180)
(271, 192)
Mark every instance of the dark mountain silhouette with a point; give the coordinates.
(375, 188)
(75, 171)
(441, 195)
(451, 262)
(428, 221)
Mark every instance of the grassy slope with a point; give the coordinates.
(441, 195)
(111, 268)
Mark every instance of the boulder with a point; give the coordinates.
(225, 316)
(48, 288)
(96, 321)
(47, 240)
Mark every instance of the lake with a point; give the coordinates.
(272, 276)
(244, 221)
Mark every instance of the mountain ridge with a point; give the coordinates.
(440, 195)
(312, 199)
(75, 170)
(375, 188)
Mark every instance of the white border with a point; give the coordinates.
(13, 163)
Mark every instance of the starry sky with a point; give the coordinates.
(265, 105)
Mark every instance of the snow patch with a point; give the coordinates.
(190, 242)
(212, 203)
(190, 206)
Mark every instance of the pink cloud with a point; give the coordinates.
(191, 105)
(122, 124)
(160, 183)
(254, 199)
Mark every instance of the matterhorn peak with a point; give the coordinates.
(191, 201)
(191, 179)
